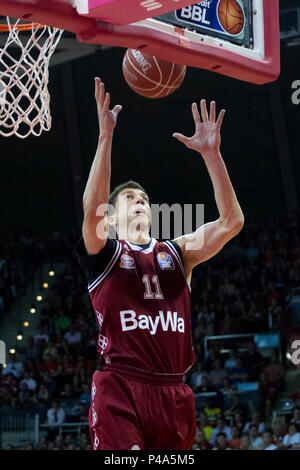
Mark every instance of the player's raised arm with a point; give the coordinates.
(210, 238)
(96, 193)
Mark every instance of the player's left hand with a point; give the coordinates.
(207, 137)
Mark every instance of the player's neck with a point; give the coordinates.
(140, 239)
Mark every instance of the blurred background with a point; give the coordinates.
(245, 301)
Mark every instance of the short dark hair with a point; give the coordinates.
(128, 184)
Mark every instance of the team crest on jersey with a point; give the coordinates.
(165, 260)
(127, 262)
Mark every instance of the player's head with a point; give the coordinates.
(132, 213)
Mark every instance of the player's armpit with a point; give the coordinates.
(206, 242)
(94, 232)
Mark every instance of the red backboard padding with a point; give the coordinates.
(174, 47)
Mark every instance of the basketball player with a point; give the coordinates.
(140, 291)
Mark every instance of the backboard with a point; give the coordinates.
(198, 35)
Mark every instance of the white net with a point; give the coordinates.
(24, 75)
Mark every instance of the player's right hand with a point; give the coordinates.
(107, 118)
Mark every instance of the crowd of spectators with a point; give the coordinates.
(19, 253)
(241, 290)
(248, 434)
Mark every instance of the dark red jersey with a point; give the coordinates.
(141, 299)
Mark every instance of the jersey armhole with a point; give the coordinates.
(176, 250)
(97, 267)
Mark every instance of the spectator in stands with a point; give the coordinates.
(9, 388)
(80, 378)
(291, 440)
(200, 440)
(55, 416)
(217, 375)
(48, 381)
(85, 395)
(205, 425)
(63, 321)
(50, 349)
(66, 369)
(257, 442)
(67, 392)
(83, 363)
(201, 329)
(68, 440)
(32, 367)
(50, 365)
(84, 441)
(30, 351)
(221, 442)
(83, 412)
(29, 380)
(238, 374)
(267, 394)
(74, 339)
(253, 361)
(279, 430)
(238, 418)
(212, 410)
(235, 441)
(41, 339)
(235, 405)
(220, 427)
(210, 360)
(275, 372)
(43, 395)
(255, 419)
(205, 386)
(231, 360)
(196, 378)
(296, 416)
(227, 388)
(43, 443)
(13, 367)
(245, 442)
(60, 343)
(26, 396)
(59, 442)
(268, 444)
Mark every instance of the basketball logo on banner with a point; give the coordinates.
(222, 16)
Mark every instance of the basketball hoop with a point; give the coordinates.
(24, 74)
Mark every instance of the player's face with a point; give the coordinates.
(133, 210)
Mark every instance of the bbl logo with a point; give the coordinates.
(165, 261)
(224, 16)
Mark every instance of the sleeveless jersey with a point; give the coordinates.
(141, 299)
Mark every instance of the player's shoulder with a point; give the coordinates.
(172, 246)
(94, 265)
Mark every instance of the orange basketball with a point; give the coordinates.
(151, 77)
(231, 16)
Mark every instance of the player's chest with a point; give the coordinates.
(150, 277)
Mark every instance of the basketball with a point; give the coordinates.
(231, 16)
(151, 77)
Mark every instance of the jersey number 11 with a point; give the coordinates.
(155, 281)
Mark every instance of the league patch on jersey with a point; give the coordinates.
(165, 260)
(127, 262)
